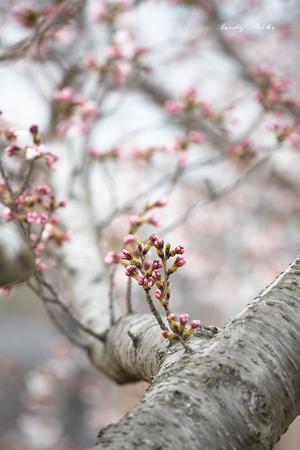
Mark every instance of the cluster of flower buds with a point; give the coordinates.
(33, 206)
(73, 113)
(154, 273)
(149, 273)
(244, 151)
(96, 155)
(122, 57)
(33, 151)
(146, 154)
(272, 94)
(28, 16)
(136, 221)
(184, 142)
(110, 10)
(190, 102)
(287, 132)
(180, 329)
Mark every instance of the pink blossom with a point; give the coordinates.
(51, 159)
(11, 150)
(39, 249)
(125, 254)
(165, 333)
(7, 214)
(179, 250)
(158, 295)
(156, 264)
(129, 239)
(89, 62)
(142, 281)
(159, 243)
(111, 258)
(121, 71)
(184, 318)
(135, 220)
(161, 202)
(89, 111)
(35, 152)
(31, 217)
(205, 108)
(197, 137)
(131, 271)
(153, 237)
(171, 317)
(44, 189)
(92, 152)
(294, 140)
(155, 275)
(39, 265)
(154, 220)
(179, 261)
(173, 106)
(64, 95)
(195, 324)
(26, 16)
(147, 264)
(183, 159)
(4, 291)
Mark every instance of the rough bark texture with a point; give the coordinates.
(237, 389)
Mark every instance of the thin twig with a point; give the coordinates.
(128, 296)
(154, 310)
(215, 195)
(63, 330)
(111, 295)
(66, 310)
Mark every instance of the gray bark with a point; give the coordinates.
(236, 389)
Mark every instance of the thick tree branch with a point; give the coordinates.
(238, 390)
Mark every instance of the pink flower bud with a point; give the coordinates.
(11, 150)
(4, 291)
(154, 220)
(162, 201)
(179, 261)
(147, 264)
(125, 254)
(155, 275)
(159, 243)
(142, 281)
(34, 129)
(179, 250)
(171, 317)
(196, 324)
(131, 271)
(153, 238)
(165, 333)
(43, 189)
(157, 264)
(173, 107)
(184, 318)
(111, 258)
(135, 220)
(8, 214)
(129, 239)
(196, 137)
(39, 265)
(158, 295)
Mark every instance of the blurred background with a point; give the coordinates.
(236, 213)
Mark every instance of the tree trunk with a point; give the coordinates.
(238, 388)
